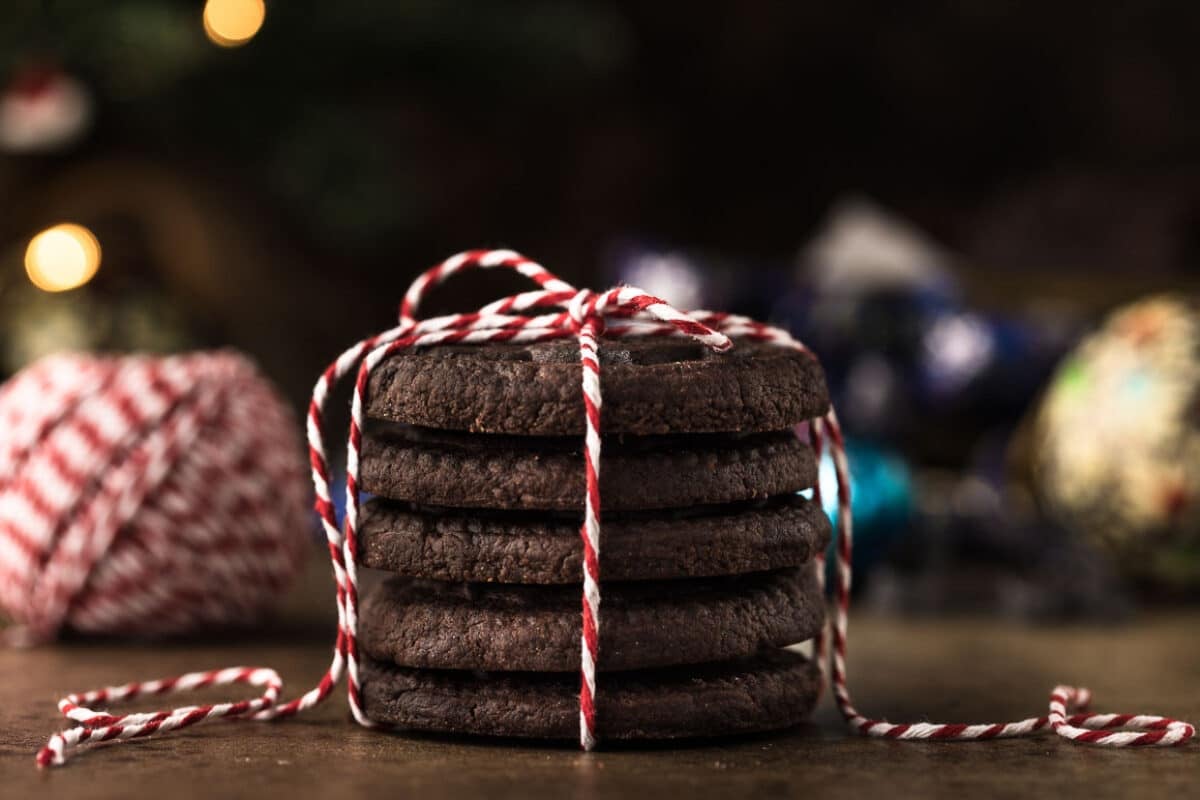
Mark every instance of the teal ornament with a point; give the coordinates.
(881, 493)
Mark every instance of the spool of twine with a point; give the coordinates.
(145, 496)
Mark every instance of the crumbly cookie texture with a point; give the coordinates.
(543, 547)
(651, 386)
(637, 473)
(436, 625)
(773, 690)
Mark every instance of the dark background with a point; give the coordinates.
(282, 194)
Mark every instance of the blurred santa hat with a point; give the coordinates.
(43, 108)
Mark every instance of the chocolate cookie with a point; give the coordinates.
(638, 473)
(543, 547)
(537, 628)
(650, 386)
(775, 689)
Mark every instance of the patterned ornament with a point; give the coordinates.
(1118, 440)
(904, 352)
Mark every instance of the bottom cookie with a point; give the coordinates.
(776, 689)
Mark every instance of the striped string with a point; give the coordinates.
(557, 310)
(589, 533)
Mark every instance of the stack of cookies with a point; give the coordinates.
(474, 457)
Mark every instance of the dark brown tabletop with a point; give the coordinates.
(961, 670)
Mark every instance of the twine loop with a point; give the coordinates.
(582, 309)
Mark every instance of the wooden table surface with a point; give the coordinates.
(970, 671)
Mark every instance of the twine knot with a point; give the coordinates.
(584, 308)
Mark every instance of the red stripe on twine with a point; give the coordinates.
(589, 627)
(587, 705)
(590, 560)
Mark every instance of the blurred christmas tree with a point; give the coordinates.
(219, 156)
(331, 105)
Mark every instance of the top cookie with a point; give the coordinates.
(650, 386)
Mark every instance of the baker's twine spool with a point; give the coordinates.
(145, 496)
(555, 310)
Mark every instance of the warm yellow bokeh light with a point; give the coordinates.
(231, 23)
(63, 257)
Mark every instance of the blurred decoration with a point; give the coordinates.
(882, 502)
(1116, 441)
(35, 324)
(671, 274)
(905, 352)
(978, 546)
(956, 348)
(42, 109)
(233, 23)
(182, 267)
(63, 257)
(124, 456)
(864, 249)
(355, 122)
(870, 290)
(695, 278)
(932, 388)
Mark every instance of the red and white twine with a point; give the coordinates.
(137, 494)
(556, 310)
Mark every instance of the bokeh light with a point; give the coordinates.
(63, 257)
(232, 23)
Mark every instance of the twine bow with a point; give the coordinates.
(528, 317)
